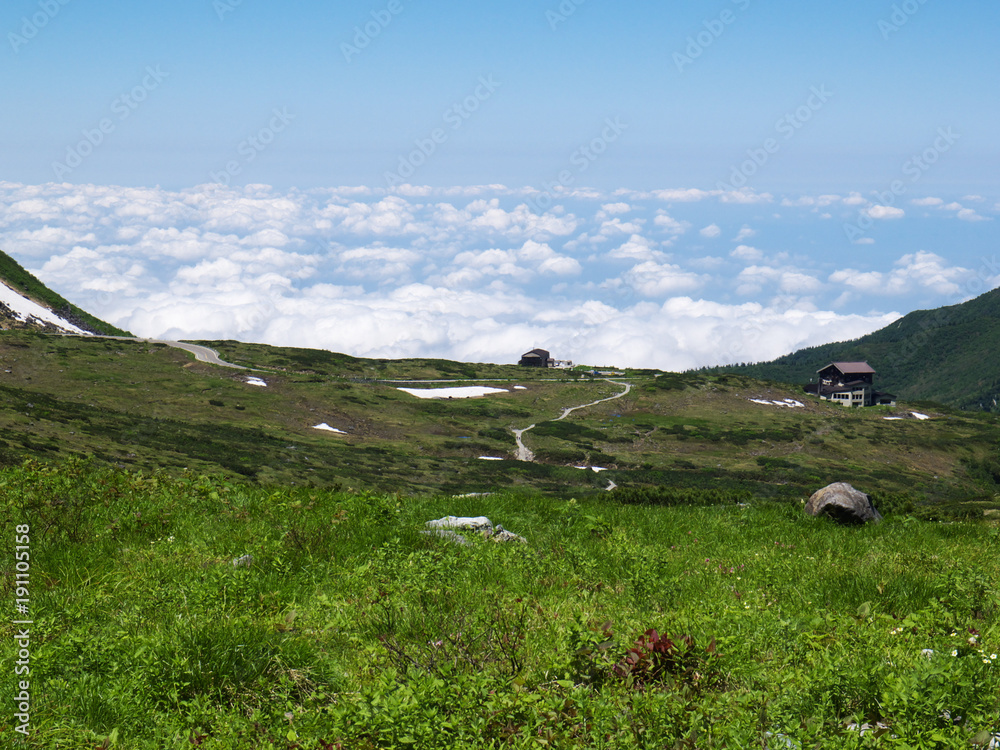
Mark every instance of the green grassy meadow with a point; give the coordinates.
(693, 606)
(348, 628)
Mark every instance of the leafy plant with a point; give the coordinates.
(589, 645)
(659, 659)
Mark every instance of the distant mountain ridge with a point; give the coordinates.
(57, 315)
(949, 354)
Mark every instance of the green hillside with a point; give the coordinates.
(19, 279)
(947, 355)
(147, 406)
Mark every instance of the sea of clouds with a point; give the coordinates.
(672, 279)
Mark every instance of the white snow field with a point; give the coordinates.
(469, 391)
(328, 428)
(256, 381)
(24, 308)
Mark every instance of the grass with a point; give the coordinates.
(136, 405)
(349, 628)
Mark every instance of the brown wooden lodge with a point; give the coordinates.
(537, 358)
(849, 384)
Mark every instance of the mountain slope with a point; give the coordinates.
(145, 405)
(948, 355)
(17, 306)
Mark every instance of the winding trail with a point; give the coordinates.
(201, 353)
(525, 454)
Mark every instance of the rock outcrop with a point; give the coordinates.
(844, 504)
(446, 528)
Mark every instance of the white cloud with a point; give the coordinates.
(636, 248)
(612, 209)
(745, 233)
(963, 213)
(747, 253)
(969, 214)
(927, 201)
(617, 226)
(920, 270)
(684, 196)
(804, 200)
(884, 212)
(669, 224)
(711, 231)
(745, 195)
(754, 279)
(652, 279)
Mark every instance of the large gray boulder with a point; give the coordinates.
(844, 504)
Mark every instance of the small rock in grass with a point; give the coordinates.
(444, 527)
(500, 534)
(475, 523)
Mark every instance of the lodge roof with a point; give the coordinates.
(851, 368)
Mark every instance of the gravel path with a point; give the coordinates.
(525, 454)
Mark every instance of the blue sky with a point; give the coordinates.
(229, 65)
(854, 140)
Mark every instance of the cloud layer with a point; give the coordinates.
(660, 279)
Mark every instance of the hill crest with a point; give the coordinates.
(26, 303)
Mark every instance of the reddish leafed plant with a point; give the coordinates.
(656, 658)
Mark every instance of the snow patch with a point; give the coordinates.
(789, 402)
(491, 458)
(918, 415)
(592, 468)
(23, 308)
(470, 391)
(520, 388)
(255, 381)
(893, 419)
(325, 426)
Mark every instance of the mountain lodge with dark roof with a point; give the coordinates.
(849, 384)
(537, 358)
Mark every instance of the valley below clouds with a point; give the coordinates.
(672, 279)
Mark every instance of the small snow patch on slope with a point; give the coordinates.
(24, 309)
(256, 381)
(790, 402)
(328, 428)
